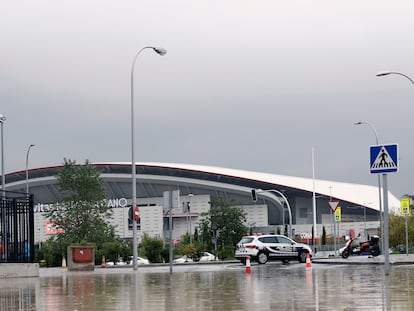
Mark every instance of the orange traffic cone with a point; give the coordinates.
(308, 261)
(103, 262)
(63, 262)
(248, 268)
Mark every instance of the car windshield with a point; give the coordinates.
(246, 240)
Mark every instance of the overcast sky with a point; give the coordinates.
(251, 85)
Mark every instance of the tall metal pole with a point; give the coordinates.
(3, 188)
(386, 244)
(406, 234)
(189, 213)
(314, 202)
(333, 220)
(365, 223)
(379, 184)
(161, 52)
(385, 249)
(3, 177)
(170, 225)
(27, 169)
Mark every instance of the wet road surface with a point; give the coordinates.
(215, 287)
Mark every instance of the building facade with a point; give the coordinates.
(283, 201)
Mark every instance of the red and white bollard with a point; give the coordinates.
(248, 268)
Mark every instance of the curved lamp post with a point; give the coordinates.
(379, 177)
(27, 169)
(283, 209)
(161, 52)
(386, 73)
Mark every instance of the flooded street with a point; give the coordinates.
(214, 287)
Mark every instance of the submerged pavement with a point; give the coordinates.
(394, 259)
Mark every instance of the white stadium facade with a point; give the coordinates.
(283, 200)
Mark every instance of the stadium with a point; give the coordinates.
(282, 203)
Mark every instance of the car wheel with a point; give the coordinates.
(345, 254)
(302, 256)
(262, 258)
(285, 261)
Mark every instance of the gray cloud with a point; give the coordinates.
(248, 85)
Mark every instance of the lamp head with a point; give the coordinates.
(2, 118)
(358, 123)
(383, 73)
(160, 51)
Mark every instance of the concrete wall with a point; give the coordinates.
(19, 270)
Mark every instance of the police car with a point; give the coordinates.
(263, 248)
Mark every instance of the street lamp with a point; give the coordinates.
(3, 188)
(386, 73)
(3, 177)
(161, 52)
(189, 214)
(283, 208)
(379, 177)
(27, 169)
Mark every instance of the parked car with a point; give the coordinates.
(183, 259)
(262, 248)
(140, 261)
(207, 257)
(204, 258)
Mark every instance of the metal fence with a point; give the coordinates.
(16, 227)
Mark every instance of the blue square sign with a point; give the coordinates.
(383, 159)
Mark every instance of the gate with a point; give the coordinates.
(16, 227)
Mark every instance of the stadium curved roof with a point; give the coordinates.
(117, 176)
(359, 194)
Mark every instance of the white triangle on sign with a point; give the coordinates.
(383, 160)
(333, 205)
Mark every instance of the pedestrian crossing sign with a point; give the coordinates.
(383, 159)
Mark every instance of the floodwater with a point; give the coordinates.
(214, 287)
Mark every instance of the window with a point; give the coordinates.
(268, 239)
(284, 240)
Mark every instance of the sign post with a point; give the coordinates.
(168, 205)
(405, 210)
(333, 205)
(383, 160)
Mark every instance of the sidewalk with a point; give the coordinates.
(395, 259)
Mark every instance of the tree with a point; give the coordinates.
(223, 224)
(152, 248)
(323, 235)
(82, 214)
(396, 227)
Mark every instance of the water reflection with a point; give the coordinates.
(214, 287)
